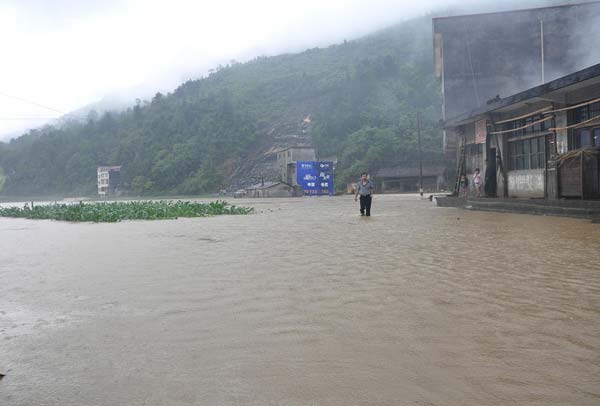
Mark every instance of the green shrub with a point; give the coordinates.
(116, 211)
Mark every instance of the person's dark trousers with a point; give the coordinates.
(365, 204)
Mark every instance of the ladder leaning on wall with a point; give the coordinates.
(460, 168)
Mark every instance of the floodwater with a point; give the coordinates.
(303, 303)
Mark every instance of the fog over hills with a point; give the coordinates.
(75, 55)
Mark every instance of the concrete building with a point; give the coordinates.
(543, 142)
(405, 178)
(287, 159)
(272, 189)
(482, 57)
(109, 180)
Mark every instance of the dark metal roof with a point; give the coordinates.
(267, 185)
(521, 10)
(560, 84)
(301, 146)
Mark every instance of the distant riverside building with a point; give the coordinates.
(109, 180)
(272, 189)
(405, 178)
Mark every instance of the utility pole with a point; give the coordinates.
(542, 49)
(420, 157)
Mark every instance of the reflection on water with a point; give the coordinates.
(303, 303)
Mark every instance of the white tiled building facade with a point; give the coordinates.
(109, 178)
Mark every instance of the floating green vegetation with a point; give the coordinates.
(116, 211)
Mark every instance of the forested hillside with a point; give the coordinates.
(361, 97)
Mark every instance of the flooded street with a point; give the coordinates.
(303, 303)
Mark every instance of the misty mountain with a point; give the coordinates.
(117, 101)
(356, 100)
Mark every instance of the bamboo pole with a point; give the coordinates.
(523, 127)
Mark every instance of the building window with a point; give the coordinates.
(594, 109)
(584, 113)
(584, 137)
(527, 154)
(533, 129)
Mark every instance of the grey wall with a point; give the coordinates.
(528, 183)
(303, 154)
(499, 53)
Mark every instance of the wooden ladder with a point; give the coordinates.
(460, 168)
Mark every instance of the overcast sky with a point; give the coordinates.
(59, 55)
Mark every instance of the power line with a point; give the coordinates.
(31, 102)
(28, 118)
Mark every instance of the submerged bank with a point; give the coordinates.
(586, 209)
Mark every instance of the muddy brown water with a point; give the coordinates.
(303, 303)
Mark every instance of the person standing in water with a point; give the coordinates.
(364, 189)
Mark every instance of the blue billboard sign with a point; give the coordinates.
(315, 178)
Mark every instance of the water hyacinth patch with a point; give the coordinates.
(111, 212)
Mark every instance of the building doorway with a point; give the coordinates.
(491, 171)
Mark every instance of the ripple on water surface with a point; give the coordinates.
(303, 303)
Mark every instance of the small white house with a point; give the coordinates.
(109, 180)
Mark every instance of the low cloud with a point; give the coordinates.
(68, 53)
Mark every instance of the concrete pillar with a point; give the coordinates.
(552, 192)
